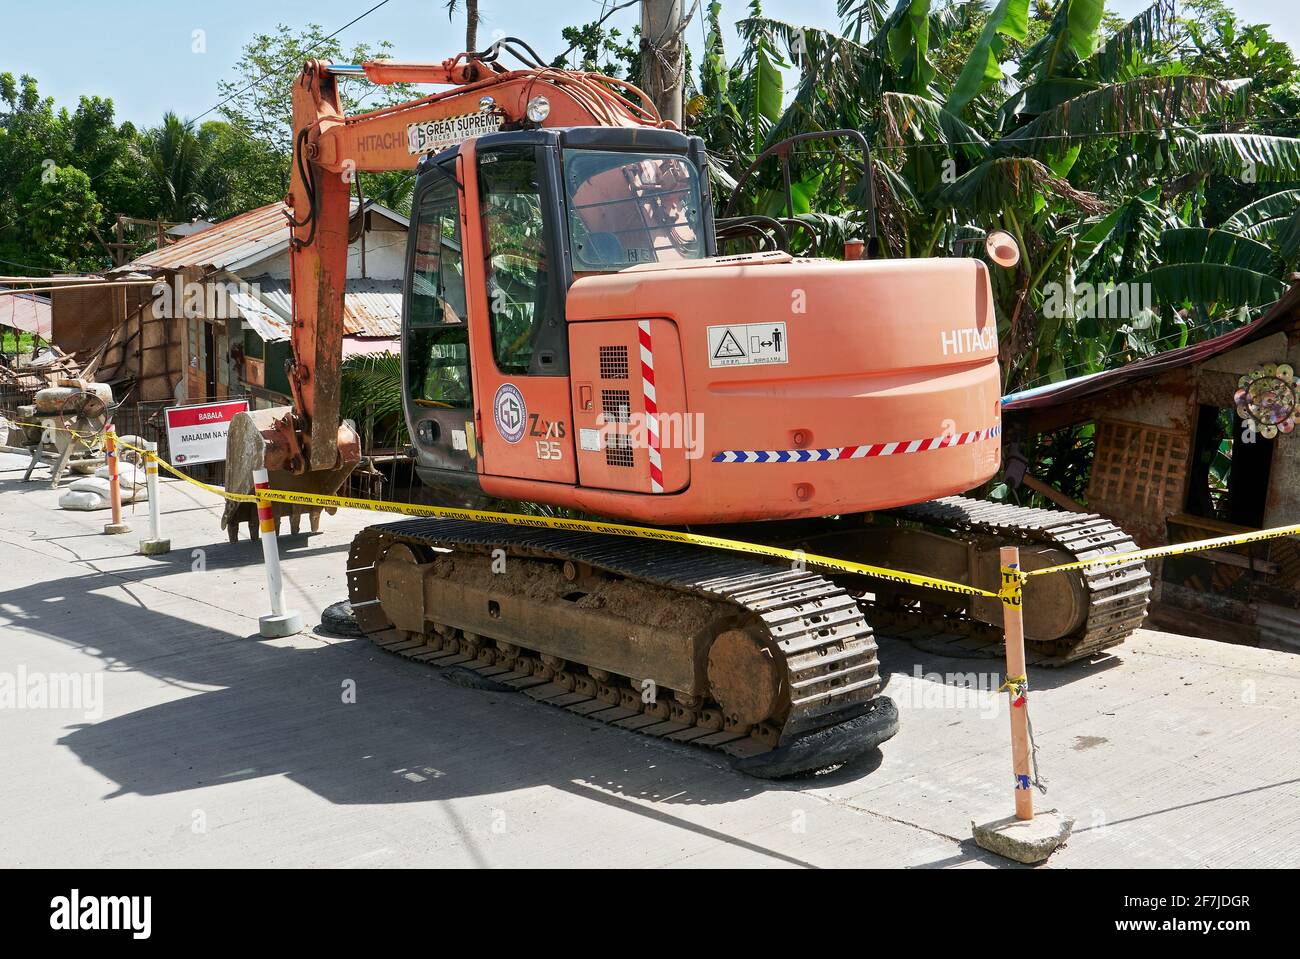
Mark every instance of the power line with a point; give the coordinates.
(268, 73)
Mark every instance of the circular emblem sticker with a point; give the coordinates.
(510, 413)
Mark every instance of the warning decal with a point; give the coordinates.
(748, 344)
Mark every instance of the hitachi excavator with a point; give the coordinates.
(571, 337)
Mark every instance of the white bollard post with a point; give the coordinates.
(280, 622)
(155, 545)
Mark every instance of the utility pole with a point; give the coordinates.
(662, 72)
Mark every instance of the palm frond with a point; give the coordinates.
(1003, 182)
(1071, 37)
(1206, 283)
(1125, 47)
(1262, 219)
(1255, 157)
(983, 67)
(1200, 245)
(1145, 105)
(907, 119)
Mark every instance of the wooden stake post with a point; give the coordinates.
(1012, 613)
(111, 454)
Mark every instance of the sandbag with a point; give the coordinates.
(128, 475)
(83, 499)
(94, 489)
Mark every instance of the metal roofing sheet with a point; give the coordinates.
(1281, 315)
(266, 322)
(229, 242)
(31, 313)
(370, 307)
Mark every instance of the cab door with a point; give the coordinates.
(436, 369)
(516, 279)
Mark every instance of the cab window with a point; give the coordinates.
(437, 340)
(515, 261)
(629, 208)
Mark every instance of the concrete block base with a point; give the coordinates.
(155, 547)
(113, 529)
(1024, 841)
(286, 624)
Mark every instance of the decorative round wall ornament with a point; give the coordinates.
(1268, 400)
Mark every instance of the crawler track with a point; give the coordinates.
(1117, 595)
(826, 710)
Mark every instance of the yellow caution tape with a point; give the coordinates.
(1010, 592)
(1013, 581)
(1174, 549)
(76, 434)
(215, 490)
(578, 525)
(623, 529)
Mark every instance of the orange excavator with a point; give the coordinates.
(571, 337)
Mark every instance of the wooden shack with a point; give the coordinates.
(1191, 444)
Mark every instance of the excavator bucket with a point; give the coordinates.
(262, 439)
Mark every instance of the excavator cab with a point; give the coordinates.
(501, 228)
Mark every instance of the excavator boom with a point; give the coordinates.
(306, 446)
(330, 149)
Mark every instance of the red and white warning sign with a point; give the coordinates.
(197, 434)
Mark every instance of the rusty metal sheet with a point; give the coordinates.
(1281, 316)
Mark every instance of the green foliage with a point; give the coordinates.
(1116, 153)
(57, 211)
(72, 172)
(184, 167)
(371, 396)
(984, 66)
(597, 49)
(258, 100)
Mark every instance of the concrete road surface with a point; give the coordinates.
(192, 742)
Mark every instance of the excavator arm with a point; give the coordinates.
(330, 149)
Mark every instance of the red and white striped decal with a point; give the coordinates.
(651, 407)
(265, 510)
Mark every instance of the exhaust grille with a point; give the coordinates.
(618, 450)
(613, 362)
(615, 407)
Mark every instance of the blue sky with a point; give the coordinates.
(139, 51)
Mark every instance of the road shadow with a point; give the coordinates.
(251, 709)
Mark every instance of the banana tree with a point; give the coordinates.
(1090, 141)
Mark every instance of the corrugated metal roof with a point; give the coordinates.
(268, 324)
(1281, 316)
(236, 243)
(370, 307)
(31, 313)
(228, 243)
